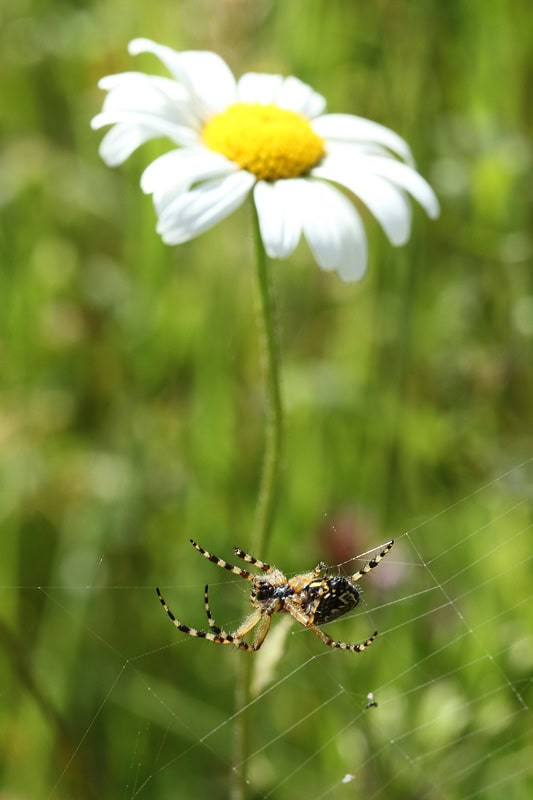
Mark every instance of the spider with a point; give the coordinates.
(312, 598)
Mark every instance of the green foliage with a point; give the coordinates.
(131, 418)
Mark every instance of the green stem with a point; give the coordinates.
(264, 513)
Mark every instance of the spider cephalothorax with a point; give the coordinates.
(312, 598)
(263, 590)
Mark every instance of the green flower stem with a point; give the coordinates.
(264, 513)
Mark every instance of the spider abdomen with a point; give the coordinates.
(333, 598)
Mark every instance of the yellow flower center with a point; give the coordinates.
(269, 141)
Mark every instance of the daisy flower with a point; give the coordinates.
(262, 134)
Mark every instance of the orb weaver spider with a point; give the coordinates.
(311, 598)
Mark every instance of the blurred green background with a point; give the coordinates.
(131, 418)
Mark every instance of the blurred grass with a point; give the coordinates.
(131, 410)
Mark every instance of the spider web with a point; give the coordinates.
(439, 707)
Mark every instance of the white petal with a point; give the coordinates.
(121, 141)
(334, 231)
(347, 150)
(149, 126)
(206, 77)
(174, 173)
(133, 91)
(135, 82)
(255, 87)
(346, 127)
(387, 203)
(199, 209)
(407, 179)
(190, 163)
(296, 95)
(290, 93)
(279, 218)
(161, 126)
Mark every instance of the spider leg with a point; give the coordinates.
(260, 618)
(249, 623)
(355, 648)
(252, 560)
(218, 636)
(221, 563)
(257, 617)
(210, 619)
(318, 569)
(245, 627)
(262, 630)
(373, 563)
